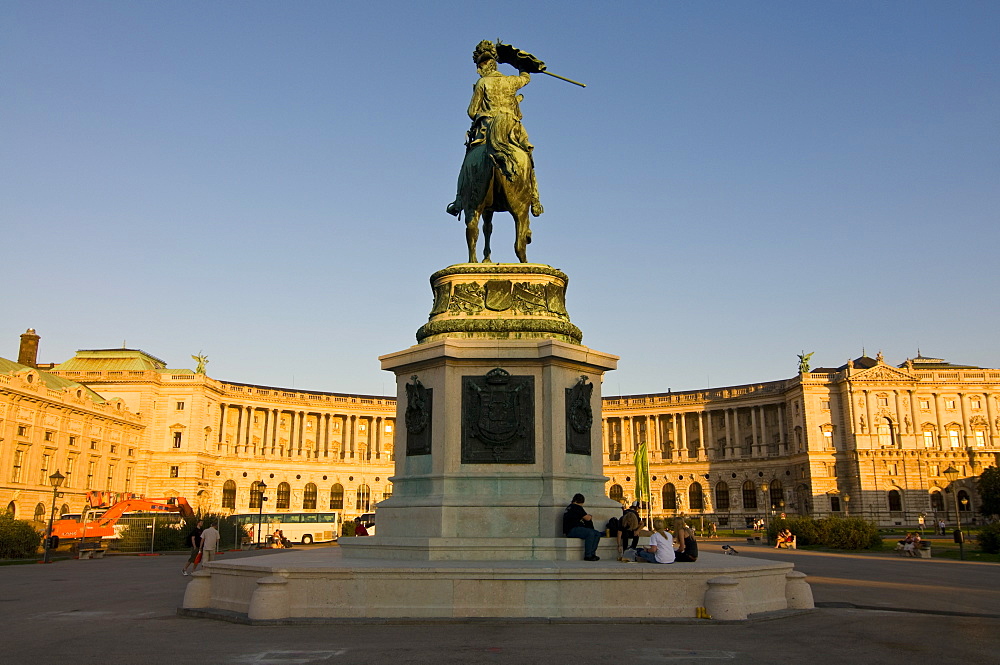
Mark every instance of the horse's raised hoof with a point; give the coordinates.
(537, 209)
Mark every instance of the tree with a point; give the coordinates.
(17, 539)
(989, 491)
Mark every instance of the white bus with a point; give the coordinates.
(302, 528)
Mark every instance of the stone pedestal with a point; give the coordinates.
(499, 424)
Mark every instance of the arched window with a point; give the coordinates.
(12, 509)
(364, 499)
(895, 501)
(669, 497)
(886, 433)
(255, 494)
(696, 500)
(616, 493)
(803, 498)
(964, 504)
(777, 494)
(749, 496)
(229, 494)
(40, 512)
(937, 501)
(309, 497)
(337, 497)
(63, 509)
(284, 500)
(722, 496)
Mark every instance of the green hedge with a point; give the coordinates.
(989, 538)
(18, 539)
(840, 533)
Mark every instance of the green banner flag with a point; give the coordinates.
(642, 473)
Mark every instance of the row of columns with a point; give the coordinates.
(908, 422)
(352, 445)
(624, 439)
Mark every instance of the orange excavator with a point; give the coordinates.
(104, 526)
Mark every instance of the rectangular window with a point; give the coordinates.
(131, 452)
(72, 440)
(828, 437)
(976, 404)
(22, 430)
(928, 439)
(70, 463)
(175, 471)
(980, 438)
(891, 469)
(48, 436)
(949, 404)
(934, 470)
(128, 479)
(954, 436)
(388, 429)
(93, 445)
(883, 401)
(44, 471)
(111, 477)
(113, 448)
(15, 476)
(91, 468)
(925, 404)
(180, 406)
(177, 439)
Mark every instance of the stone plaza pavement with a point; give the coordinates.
(872, 609)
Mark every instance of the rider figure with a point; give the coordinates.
(496, 119)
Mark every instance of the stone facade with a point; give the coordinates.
(48, 424)
(864, 439)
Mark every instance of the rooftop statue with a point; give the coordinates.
(498, 172)
(804, 362)
(202, 360)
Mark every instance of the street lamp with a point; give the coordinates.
(261, 486)
(56, 479)
(952, 474)
(847, 505)
(764, 488)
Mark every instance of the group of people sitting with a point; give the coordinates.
(908, 546)
(277, 540)
(663, 546)
(785, 540)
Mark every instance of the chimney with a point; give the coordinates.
(28, 354)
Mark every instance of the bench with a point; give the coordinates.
(90, 551)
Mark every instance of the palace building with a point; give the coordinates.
(889, 443)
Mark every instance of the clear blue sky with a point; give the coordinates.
(265, 182)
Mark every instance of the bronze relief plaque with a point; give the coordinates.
(419, 403)
(498, 418)
(579, 417)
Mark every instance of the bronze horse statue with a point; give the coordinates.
(484, 189)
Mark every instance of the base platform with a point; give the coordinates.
(321, 583)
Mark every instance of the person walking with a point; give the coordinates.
(210, 543)
(194, 540)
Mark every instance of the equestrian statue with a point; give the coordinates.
(498, 172)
